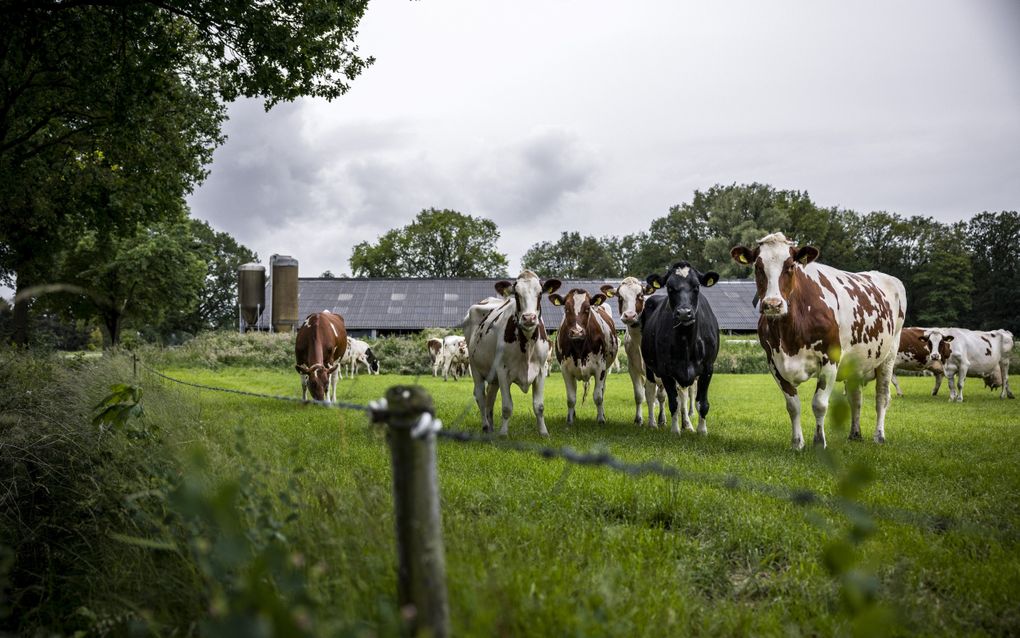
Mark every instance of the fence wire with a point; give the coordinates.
(803, 497)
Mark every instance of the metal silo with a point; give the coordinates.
(251, 293)
(285, 292)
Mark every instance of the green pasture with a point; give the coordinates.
(538, 547)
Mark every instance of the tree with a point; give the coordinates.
(152, 275)
(88, 89)
(940, 289)
(993, 240)
(575, 257)
(438, 243)
(217, 299)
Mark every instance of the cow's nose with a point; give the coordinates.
(576, 333)
(684, 314)
(630, 315)
(771, 304)
(529, 318)
(935, 356)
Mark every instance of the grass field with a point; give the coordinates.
(537, 547)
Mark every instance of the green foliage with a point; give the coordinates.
(119, 407)
(438, 243)
(217, 299)
(229, 348)
(993, 239)
(575, 257)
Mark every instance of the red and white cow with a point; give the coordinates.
(321, 342)
(982, 354)
(507, 343)
(817, 321)
(631, 296)
(586, 345)
(923, 349)
(435, 347)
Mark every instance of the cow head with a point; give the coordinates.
(775, 261)
(631, 295)
(316, 378)
(527, 291)
(373, 361)
(683, 287)
(937, 341)
(577, 307)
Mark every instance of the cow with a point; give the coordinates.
(507, 343)
(984, 354)
(435, 347)
(359, 353)
(680, 340)
(631, 297)
(818, 321)
(586, 346)
(923, 349)
(321, 342)
(454, 356)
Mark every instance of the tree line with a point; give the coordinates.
(964, 274)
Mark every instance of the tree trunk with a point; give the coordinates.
(19, 336)
(112, 324)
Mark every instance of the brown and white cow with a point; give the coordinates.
(454, 356)
(817, 321)
(631, 296)
(321, 342)
(979, 353)
(435, 347)
(586, 345)
(923, 349)
(507, 343)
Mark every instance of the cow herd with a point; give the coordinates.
(816, 322)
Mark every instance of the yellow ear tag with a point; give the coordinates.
(743, 258)
(656, 285)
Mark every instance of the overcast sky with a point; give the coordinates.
(558, 115)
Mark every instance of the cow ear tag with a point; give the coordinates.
(556, 300)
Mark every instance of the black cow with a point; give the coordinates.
(680, 339)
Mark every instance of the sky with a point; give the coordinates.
(595, 116)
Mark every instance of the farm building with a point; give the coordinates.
(385, 306)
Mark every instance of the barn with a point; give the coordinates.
(374, 307)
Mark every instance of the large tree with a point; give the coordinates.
(438, 243)
(109, 110)
(575, 256)
(994, 243)
(217, 299)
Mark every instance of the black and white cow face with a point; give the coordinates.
(527, 290)
(683, 290)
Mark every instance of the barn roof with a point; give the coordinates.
(414, 304)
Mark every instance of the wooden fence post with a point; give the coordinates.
(421, 570)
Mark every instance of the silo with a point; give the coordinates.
(285, 293)
(251, 293)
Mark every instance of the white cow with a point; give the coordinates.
(359, 353)
(983, 354)
(454, 355)
(631, 295)
(507, 343)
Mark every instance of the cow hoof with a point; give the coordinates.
(797, 444)
(819, 441)
(879, 438)
(854, 436)
(638, 421)
(703, 431)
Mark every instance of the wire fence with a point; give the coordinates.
(378, 412)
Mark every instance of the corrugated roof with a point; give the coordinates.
(414, 304)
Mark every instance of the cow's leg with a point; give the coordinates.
(1004, 370)
(951, 376)
(600, 391)
(855, 396)
(571, 384)
(896, 383)
(538, 402)
(639, 395)
(961, 375)
(508, 404)
(650, 393)
(304, 388)
(660, 396)
(938, 383)
(882, 376)
(674, 408)
(334, 381)
(685, 395)
(793, 409)
(820, 402)
(692, 398)
(483, 404)
(701, 389)
(446, 369)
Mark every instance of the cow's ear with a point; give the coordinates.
(551, 285)
(805, 255)
(709, 279)
(503, 288)
(948, 338)
(742, 255)
(556, 299)
(608, 290)
(598, 299)
(648, 290)
(654, 282)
